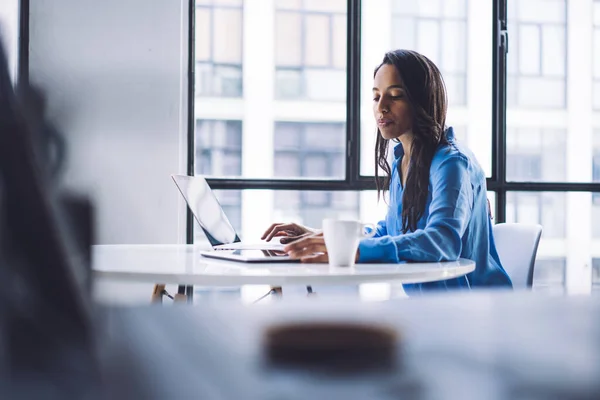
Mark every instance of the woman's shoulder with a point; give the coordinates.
(454, 152)
(451, 151)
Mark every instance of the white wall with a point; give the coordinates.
(115, 75)
(9, 27)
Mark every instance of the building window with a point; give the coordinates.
(310, 50)
(596, 56)
(550, 272)
(315, 150)
(439, 31)
(545, 208)
(535, 154)
(218, 148)
(219, 48)
(219, 154)
(596, 178)
(595, 273)
(538, 54)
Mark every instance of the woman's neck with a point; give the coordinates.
(406, 139)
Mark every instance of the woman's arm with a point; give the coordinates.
(380, 230)
(449, 214)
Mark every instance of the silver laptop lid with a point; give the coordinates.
(206, 209)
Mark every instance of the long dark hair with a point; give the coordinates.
(426, 93)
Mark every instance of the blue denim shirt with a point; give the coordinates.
(455, 224)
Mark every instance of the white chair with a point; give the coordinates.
(517, 246)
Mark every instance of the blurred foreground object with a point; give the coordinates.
(332, 346)
(47, 345)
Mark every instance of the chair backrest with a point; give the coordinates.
(517, 246)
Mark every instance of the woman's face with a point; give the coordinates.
(390, 104)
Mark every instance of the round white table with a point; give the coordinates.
(183, 265)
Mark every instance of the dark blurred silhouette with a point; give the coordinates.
(47, 343)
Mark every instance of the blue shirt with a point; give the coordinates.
(456, 222)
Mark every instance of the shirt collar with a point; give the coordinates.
(399, 151)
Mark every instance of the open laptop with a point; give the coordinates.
(225, 241)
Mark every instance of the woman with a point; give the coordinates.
(438, 208)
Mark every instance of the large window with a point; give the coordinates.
(310, 49)
(315, 150)
(285, 130)
(219, 47)
(437, 29)
(459, 45)
(538, 49)
(596, 55)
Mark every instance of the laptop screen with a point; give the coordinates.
(206, 209)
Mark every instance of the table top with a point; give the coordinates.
(182, 264)
(468, 345)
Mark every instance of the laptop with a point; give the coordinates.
(223, 238)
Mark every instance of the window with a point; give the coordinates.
(596, 55)
(538, 54)
(535, 154)
(549, 273)
(544, 208)
(218, 147)
(315, 150)
(437, 29)
(281, 141)
(310, 50)
(596, 178)
(219, 47)
(596, 274)
(442, 31)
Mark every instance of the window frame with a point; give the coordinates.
(354, 180)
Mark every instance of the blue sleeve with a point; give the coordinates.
(380, 229)
(449, 213)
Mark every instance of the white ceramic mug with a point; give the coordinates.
(342, 238)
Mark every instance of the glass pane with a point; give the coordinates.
(553, 48)
(218, 147)
(203, 29)
(596, 274)
(444, 32)
(556, 103)
(288, 39)
(536, 154)
(317, 149)
(227, 31)
(317, 51)
(252, 211)
(529, 50)
(292, 73)
(541, 10)
(596, 57)
(538, 53)
(325, 5)
(565, 251)
(218, 49)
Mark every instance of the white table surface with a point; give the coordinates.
(467, 345)
(183, 265)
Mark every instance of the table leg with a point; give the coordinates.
(189, 292)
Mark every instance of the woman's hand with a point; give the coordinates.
(289, 232)
(310, 249)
